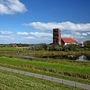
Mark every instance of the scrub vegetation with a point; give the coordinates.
(12, 81)
(75, 71)
(53, 61)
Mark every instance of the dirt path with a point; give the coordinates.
(67, 82)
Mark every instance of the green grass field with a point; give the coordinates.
(13, 52)
(74, 71)
(12, 81)
(61, 68)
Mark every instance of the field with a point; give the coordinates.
(56, 67)
(76, 71)
(12, 81)
(19, 52)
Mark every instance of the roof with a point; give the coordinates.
(69, 40)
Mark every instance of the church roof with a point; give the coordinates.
(69, 40)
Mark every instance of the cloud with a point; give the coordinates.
(67, 35)
(6, 33)
(62, 25)
(84, 34)
(40, 34)
(22, 33)
(29, 38)
(79, 35)
(11, 7)
(88, 33)
(6, 38)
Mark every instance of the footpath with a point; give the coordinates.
(58, 80)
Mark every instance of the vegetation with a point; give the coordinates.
(12, 81)
(87, 44)
(52, 47)
(19, 52)
(77, 71)
(52, 60)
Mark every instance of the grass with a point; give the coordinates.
(11, 51)
(74, 71)
(40, 64)
(66, 69)
(12, 81)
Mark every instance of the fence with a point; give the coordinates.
(58, 80)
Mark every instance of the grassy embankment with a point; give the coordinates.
(75, 71)
(72, 70)
(12, 81)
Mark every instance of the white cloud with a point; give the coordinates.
(29, 38)
(22, 33)
(62, 25)
(40, 34)
(67, 35)
(78, 35)
(6, 32)
(46, 39)
(11, 7)
(6, 38)
(84, 34)
(88, 33)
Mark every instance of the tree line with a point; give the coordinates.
(68, 47)
(52, 47)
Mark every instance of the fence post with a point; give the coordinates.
(42, 77)
(75, 85)
(24, 73)
(62, 81)
(12, 70)
(52, 79)
(33, 75)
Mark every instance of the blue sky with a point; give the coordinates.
(32, 21)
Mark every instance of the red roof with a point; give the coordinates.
(69, 40)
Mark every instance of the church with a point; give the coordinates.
(58, 40)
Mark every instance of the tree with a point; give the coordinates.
(87, 44)
(71, 47)
(50, 47)
(58, 48)
(38, 47)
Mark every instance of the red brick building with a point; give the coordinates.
(61, 41)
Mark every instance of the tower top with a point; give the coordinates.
(56, 29)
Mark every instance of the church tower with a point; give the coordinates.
(57, 36)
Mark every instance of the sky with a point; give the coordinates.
(33, 21)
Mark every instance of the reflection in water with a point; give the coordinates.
(28, 57)
(82, 58)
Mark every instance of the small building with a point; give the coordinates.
(58, 40)
(66, 41)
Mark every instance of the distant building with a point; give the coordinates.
(66, 41)
(14, 45)
(61, 41)
(57, 36)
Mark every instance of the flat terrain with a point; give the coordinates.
(12, 81)
(46, 64)
(75, 71)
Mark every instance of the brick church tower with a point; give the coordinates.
(57, 36)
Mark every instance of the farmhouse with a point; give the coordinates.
(58, 40)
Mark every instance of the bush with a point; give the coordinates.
(87, 44)
(71, 47)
